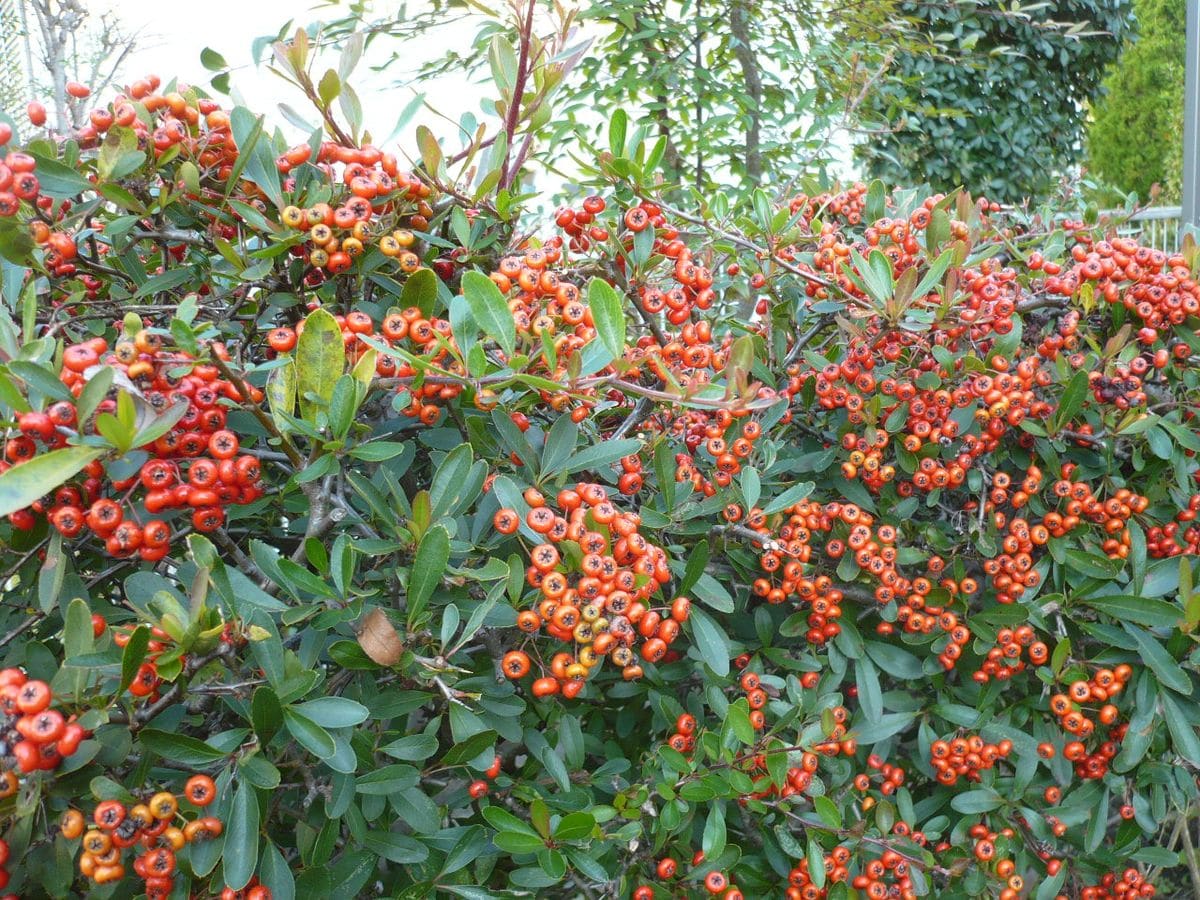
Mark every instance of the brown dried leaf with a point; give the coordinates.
(379, 638)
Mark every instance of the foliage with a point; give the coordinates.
(1135, 138)
(743, 93)
(813, 548)
(1011, 121)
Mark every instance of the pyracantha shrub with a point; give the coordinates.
(362, 540)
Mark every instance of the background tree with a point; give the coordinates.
(1009, 120)
(1136, 134)
(72, 43)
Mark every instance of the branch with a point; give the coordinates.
(259, 413)
(514, 106)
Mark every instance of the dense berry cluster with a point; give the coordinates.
(196, 465)
(36, 737)
(155, 830)
(596, 575)
(965, 757)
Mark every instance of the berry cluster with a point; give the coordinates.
(336, 236)
(580, 225)
(216, 474)
(35, 737)
(152, 827)
(684, 737)
(1157, 287)
(1122, 388)
(716, 883)
(252, 891)
(596, 600)
(985, 853)
(18, 183)
(1004, 659)
(1126, 885)
(146, 681)
(479, 788)
(1073, 718)
(726, 451)
(965, 757)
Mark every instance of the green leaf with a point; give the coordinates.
(412, 748)
(276, 874)
(240, 855)
(428, 567)
(41, 378)
(180, 748)
(266, 714)
(870, 697)
(333, 712)
(516, 842)
(1164, 666)
(574, 826)
(617, 124)
(281, 394)
(695, 567)
(255, 149)
(309, 734)
(816, 862)
(710, 641)
(932, 277)
(421, 291)
(329, 87)
(23, 484)
(980, 800)
(1072, 401)
(888, 725)
(790, 497)
(1093, 565)
(503, 820)
(876, 201)
(133, 655)
(713, 839)
(1142, 610)
(1049, 887)
(431, 151)
(1098, 823)
(387, 780)
(738, 717)
(212, 60)
(398, 848)
(560, 441)
(828, 812)
(601, 454)
(608, 316)
(490, 310)
(1183, 732)
(320, 361)
(52, 574)
(467, 750)
(59, 180)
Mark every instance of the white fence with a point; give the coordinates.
(1159, 226)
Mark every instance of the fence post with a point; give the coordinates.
(1191, 121)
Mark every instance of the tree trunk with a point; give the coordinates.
(739, 27)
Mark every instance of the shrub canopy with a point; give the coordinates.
(840, 545)
(1008, 121)
(1135, 139)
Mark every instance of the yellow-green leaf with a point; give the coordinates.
(281, 393)
(320, 360)
(23, 484)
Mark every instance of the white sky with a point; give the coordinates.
(171, 43)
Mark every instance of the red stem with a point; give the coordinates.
(514, 107)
